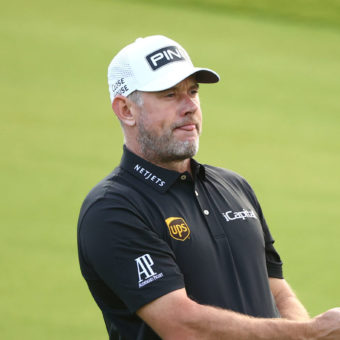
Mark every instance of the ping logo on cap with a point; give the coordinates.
(164, 56)
(178, 228)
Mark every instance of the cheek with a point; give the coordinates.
(199, 115)
(164, 118)
(155, 123)
(199, 119)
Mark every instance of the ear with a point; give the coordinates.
(123, 109)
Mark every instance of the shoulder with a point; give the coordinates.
(230, 180)
(225, 175)
(114, 191)
(218, 171)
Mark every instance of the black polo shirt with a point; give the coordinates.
(145, 231)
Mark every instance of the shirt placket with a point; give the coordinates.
(207, 209)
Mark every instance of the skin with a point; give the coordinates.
(171, 118)
(165, 131)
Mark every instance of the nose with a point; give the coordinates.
(189, 105)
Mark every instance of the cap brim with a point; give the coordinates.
(207, 76)
(203, 75)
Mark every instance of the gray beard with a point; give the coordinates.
(164, 149)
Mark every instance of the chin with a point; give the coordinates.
(187, 149)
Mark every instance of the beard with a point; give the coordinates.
(164, 148)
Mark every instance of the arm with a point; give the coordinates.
(286, 301)
(176, 317)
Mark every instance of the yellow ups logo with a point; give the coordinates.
(178, 229)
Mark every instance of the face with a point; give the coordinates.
(169, 123)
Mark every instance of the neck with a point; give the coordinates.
(175, 165)
(179, 166)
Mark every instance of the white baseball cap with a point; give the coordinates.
(151, 64)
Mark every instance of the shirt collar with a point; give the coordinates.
(197, 169)
(159, 178)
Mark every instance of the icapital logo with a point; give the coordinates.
(178, 228)
(236, 215)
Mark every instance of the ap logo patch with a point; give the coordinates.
(178, 228)
(146, 274)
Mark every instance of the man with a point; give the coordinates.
(171, 248)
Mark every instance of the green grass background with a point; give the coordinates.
(274, 118)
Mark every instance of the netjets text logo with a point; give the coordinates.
(164, 56)
(145, 272)
(235, 215)
(148, 175)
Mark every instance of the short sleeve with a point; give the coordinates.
(273, 260)
(127, 254)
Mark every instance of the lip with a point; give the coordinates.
(187, 127)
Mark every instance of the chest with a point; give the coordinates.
(209, 227)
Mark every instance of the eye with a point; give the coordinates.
(194, 91)
(170, 94)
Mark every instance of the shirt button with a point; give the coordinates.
(183, 177)
(196, 193)
(206, 212)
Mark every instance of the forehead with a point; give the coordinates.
(186, 83)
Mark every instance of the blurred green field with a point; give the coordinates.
(274, 118)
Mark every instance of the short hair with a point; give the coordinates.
(136, 97)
